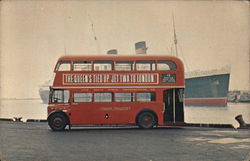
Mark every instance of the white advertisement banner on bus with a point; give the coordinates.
(146, 78)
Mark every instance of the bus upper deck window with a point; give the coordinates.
(63, 66)
(166, 65)
(103, 65)
(82, 66)
(124, 66)
(60, 96)
(146, 65)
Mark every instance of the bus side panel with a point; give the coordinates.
(112, 112)
(100, 113)
(81, 113)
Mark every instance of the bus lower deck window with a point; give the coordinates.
(82, 97)
(103, 97)
(146, 96)
(124, 97)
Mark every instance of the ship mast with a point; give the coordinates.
(94, 34)
(175, 38)
(176, 45)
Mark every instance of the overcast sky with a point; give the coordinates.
(34, 34)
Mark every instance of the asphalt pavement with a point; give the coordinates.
(34, 141)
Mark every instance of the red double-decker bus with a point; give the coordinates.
(117, 90)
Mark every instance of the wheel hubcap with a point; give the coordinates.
(57, 122)
(147, 121)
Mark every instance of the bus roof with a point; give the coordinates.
(118, 58)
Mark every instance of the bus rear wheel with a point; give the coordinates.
(57, 122)
(146, 120)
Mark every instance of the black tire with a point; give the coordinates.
(57, 121)
(146, 120)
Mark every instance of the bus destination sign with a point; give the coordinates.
(76, 79)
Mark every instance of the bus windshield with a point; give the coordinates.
(59, 96)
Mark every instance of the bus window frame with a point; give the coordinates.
(53, 100)
(132, 66)
(94, 99)
(112, 65)
(73, 97)
(151, 66)
(59, 63)
(175, 65)
(91, 66)
(155, 97)
(132, 98)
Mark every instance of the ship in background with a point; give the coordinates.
(207, 88)
(44, 91)
(44, 94)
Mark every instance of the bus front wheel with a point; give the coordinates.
(57, 121)
(146, 120)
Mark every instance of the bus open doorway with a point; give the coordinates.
(173, 100)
